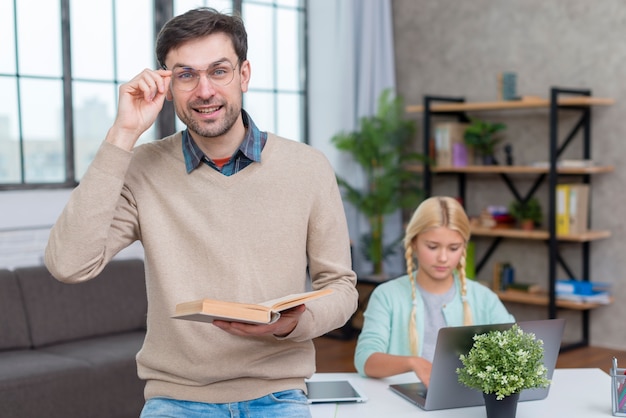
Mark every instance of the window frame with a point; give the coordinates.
(166, 121)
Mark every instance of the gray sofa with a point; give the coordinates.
(69, 350)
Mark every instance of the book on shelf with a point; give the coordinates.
(526, 288)
(582, 287)
(450, 148)
(583, 291)
(503, 275)
(566, 164)
(208, 310)
(572, 208)
(470, 260)
(600, 297)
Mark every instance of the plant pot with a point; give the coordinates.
(489, 159)
(505, 408)
(527, 224)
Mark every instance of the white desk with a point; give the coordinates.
(584, 393)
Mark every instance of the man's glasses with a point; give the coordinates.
(187, 78)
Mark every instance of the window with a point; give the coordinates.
(60, 91)
(276, 98)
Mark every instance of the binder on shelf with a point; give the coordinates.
(572, 208)
(562, 209)
(578, 208)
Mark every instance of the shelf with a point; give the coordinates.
(513, 169)
(538, 234)
(578, 101)
(543, 300)
(528, 102)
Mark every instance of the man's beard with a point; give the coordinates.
(213, 128)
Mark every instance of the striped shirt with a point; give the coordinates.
(248, 152)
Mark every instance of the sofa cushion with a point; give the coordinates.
(35, 384)
(113, 302)
(13, 326)
(114, 369)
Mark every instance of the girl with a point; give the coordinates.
(404, 315)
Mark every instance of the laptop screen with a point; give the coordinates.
(454, 341)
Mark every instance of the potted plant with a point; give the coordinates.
(482, 136)
(527, 213)
(382, 147)
(501, 364)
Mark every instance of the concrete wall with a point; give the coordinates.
(457, 48)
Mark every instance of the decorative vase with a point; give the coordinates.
(505, 408)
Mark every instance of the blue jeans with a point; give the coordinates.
(286, 404)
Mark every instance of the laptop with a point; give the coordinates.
(446, 392)
(333, 391)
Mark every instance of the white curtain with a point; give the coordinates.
(351, 61)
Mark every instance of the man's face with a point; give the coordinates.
(210, 108)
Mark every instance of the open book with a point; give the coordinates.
(207, 310)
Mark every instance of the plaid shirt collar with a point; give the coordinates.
(248, 152)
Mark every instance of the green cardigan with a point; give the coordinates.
(388, 313)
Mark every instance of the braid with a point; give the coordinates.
(435, 212)
(467, 313)
(410, 267)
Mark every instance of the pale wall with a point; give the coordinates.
(451, 47)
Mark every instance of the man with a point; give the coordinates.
(224, 211)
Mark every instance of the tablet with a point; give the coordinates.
(333, 391)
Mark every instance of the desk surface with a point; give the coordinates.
(584, 393)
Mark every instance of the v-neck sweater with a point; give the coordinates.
(249, 237)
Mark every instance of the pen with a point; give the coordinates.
(621, 390)
(622, 399)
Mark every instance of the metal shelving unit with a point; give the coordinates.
(574, 100)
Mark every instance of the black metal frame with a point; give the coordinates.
(555, 151)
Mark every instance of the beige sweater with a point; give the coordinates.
(247, 237)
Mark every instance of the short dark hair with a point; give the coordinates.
(197, 23)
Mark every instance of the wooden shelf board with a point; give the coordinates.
(520, 169)
(512, 169)
(525, 103)
(543, 300)
(538, 234)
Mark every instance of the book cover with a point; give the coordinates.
(562, 209)
(208, 310)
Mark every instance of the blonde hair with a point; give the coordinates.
(436, 212)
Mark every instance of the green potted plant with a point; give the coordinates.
(528, 214)
(382, 147)
(483, 137)
(501, 364)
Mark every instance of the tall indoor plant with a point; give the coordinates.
(382, 147)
